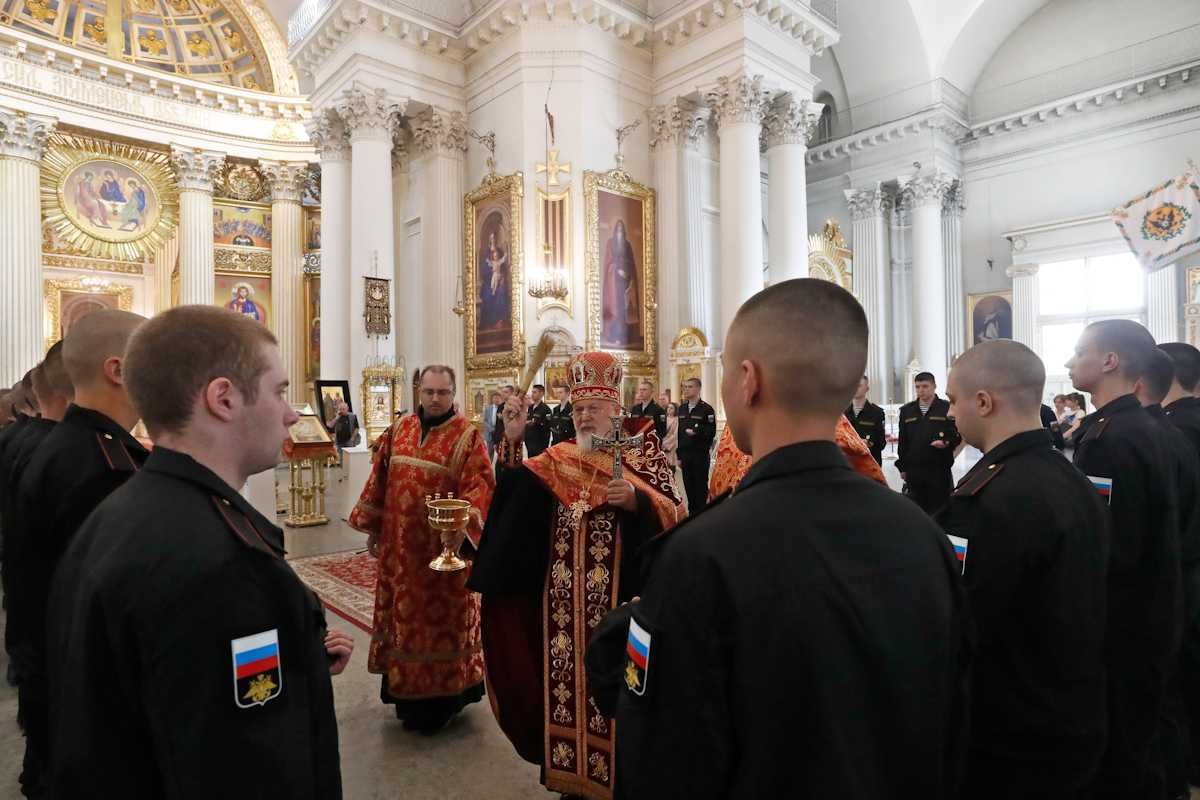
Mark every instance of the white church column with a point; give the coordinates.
(196, 171)
(869, 210)
(286, 180)
(369, 115)
(22, 328)
(953, 207)
(332, 142)
(686, 288)
(1162, 304)
(739, 104)
(440, 138)
(1025, 304)
(166, 256)
(929, 274)
(788, 126)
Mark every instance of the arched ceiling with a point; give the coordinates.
(209, 40)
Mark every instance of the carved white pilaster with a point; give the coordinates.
(1025, 305)
(953, 206)
(739, 104)
(166, 256)
(286, 180)
(22, 341)
(930, 345)
(197, 172)
(441, 132)
(1162, 304)
(869, 212)
(786, 131)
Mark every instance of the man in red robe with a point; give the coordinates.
(426, 641)
(558, 552)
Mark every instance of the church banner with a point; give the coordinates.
(1162, 225)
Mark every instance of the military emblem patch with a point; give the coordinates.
(960, 551)
(637, 658)
(257, 676)
(1104, 486)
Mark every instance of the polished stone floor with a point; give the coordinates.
(469, 760)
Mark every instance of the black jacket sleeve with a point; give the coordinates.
(513, 549)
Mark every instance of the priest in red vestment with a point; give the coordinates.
(560, 549)
(425, 641)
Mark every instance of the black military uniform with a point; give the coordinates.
(498, 431)
(83, 460)
(694, 450)
(871, 426)
(1127, 457)
(187, 659)
(537, 429)
(562, 427)
(1050, 423)
(1184, 414)
(830, 667)
(1183, 686)
(927, 468)
(1033, 538)
(654, 411)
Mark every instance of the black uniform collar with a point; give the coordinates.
(1120, 405)
(792, 458)
(989, 465)
(1182, 404)
(183, 467)
(1156, 411)
(429, 424)
(102, 423)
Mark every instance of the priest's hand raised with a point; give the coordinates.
(621, 494)
(516, 414)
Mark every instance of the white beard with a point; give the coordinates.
(584, 441)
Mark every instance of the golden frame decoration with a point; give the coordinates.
(52, 289)
(559, 249)
(829, 258)
(483, 381)
(618, 182)
(392, 380)
(974, 299)
(312, 291)
(492, 186)
(65, 153)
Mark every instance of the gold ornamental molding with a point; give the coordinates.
(107, 199)
(53, 293)
(62, 261)
(829, 258)
(496, 197)
(240, 260)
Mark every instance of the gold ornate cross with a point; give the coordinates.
(553, 166)
(616, 443)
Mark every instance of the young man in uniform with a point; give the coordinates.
(697, 430)
(1181, 405)
(803, 636)
(926, 448)
(1032, 538)
(537, 434)
(868, 420)
(562, 427)
(187, 659)
(87, 456)
(1127, 457)
(646, 407)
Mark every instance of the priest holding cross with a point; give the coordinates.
(559, 550)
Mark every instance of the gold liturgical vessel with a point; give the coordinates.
(450, 517)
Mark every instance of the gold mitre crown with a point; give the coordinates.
(594, 376)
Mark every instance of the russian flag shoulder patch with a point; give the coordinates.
(637, 658)
(960, 550)
(257, 674)
(1104, 486)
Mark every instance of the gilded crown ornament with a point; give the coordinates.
(594, 376)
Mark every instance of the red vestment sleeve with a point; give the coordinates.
(476, 484)
(367, 515)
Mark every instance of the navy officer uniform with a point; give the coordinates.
(926, 468)
(652, 411)
(562, 426)
(537, 430)
(871, 426)
(694, 450)
(802, 637)
(1032, 536)
(187, 659)
(1127, 457)
(1184, 414)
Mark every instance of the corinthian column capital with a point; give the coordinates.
(24, 135)
(198, 170)
(329, 136)
(286, 179)
(677, 123)
(369, 113)
(438, 131)
(927, 190)
(738, 98)
(868, 203)
(791, 122)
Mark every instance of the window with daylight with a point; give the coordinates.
(1072, 295)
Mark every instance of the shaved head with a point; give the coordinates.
(1157, 376)
(94, 339)
(1003, 368)
(54, 369)
(1187, 363)
(809, 338)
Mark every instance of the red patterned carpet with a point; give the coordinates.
(345, 583)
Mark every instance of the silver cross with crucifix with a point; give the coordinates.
(617, 443)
